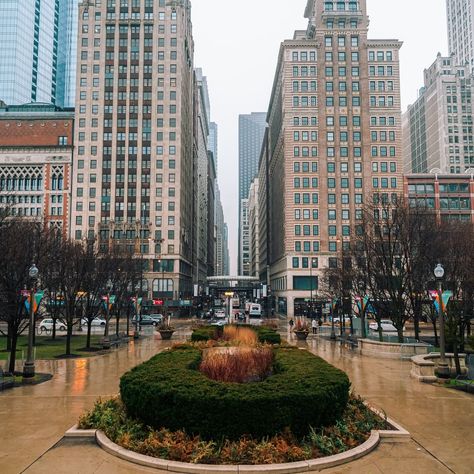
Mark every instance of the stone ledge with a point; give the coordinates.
(75, 432)
(423, 366)
(397, 434)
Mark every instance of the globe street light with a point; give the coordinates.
(29, 366)
(442, 369)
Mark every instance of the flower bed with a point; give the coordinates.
(350, 431)
(169, 391)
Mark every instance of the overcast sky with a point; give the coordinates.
(237, 43)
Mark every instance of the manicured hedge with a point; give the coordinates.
(265, 335)
(168, 391)
(205, 333)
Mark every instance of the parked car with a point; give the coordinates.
(47, 325)
(347, 320)
(145, 320)
(386, 324)
(220, 313)
(218, 322)
(96, 322)
(158, 318)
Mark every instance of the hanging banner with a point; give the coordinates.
(36, 301)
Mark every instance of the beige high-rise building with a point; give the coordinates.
(437, 128)
(254, 228)
(133, 168)
(461, 31)
(334, 144)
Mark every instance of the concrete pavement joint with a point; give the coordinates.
(41, 455)
(433, 456)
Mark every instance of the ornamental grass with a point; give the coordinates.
(237, 364)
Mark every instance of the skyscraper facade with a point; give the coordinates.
(251, 132)
(37, 51)
(437, 128)
(334, 143)
(134, 168)
(461, 31)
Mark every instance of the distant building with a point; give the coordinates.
(251, 132)
(38, 42)
(451, 196)
(254, 225)
(134, 166)
(460, 15)
(438, 127)
(36, 147)
(333, 145)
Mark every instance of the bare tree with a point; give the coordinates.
(22, 243)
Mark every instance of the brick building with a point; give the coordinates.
(36, 144)
(450, 195)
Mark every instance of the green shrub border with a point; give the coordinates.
(168, 391)
(264, 334)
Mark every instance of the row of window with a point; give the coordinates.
(342, 41)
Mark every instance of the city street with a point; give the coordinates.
(34, 419)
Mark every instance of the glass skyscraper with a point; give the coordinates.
(38, 51)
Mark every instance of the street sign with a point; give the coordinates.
(229, 294)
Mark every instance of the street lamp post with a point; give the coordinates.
(442, 369)
(29, 366)
(109, 286)
(311, 266)
(333, 330)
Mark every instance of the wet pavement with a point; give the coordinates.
(34, 419)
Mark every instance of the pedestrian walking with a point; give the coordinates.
(291, 323)
(314, 326)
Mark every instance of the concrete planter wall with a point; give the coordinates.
(394, 435)
(423, 366)
(390, 350)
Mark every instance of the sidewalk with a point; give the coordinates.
(34, 419)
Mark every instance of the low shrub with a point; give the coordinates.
(168, 391)
(206, 333)
(265, 335)
(352, 430)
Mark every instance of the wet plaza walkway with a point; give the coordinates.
(34, 419)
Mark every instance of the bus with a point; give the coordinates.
(255, 310)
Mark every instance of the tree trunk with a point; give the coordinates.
(117, 322)
(13, 342)
(456, 357)
(416, 320)
(433, 320)
(400, 335)
(68, 338)
(380, 331)
(9, 338)
(362, 322)
(88, 338)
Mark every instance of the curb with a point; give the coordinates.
(288, 468)
(75, 432)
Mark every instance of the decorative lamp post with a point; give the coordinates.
(29, 366)
(109, 285)
(442, 369)
(311, 266)
(333, 329)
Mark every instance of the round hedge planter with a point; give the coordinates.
(169, 391)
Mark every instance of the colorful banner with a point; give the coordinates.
(36, 301)
(447, 295)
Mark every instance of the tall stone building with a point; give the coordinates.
(38, 51)
(251, 132)
(134, 161)
(461, 31)
(334, 143)
(437, 128)
(254, 228)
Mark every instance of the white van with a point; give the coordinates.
(255, 310)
